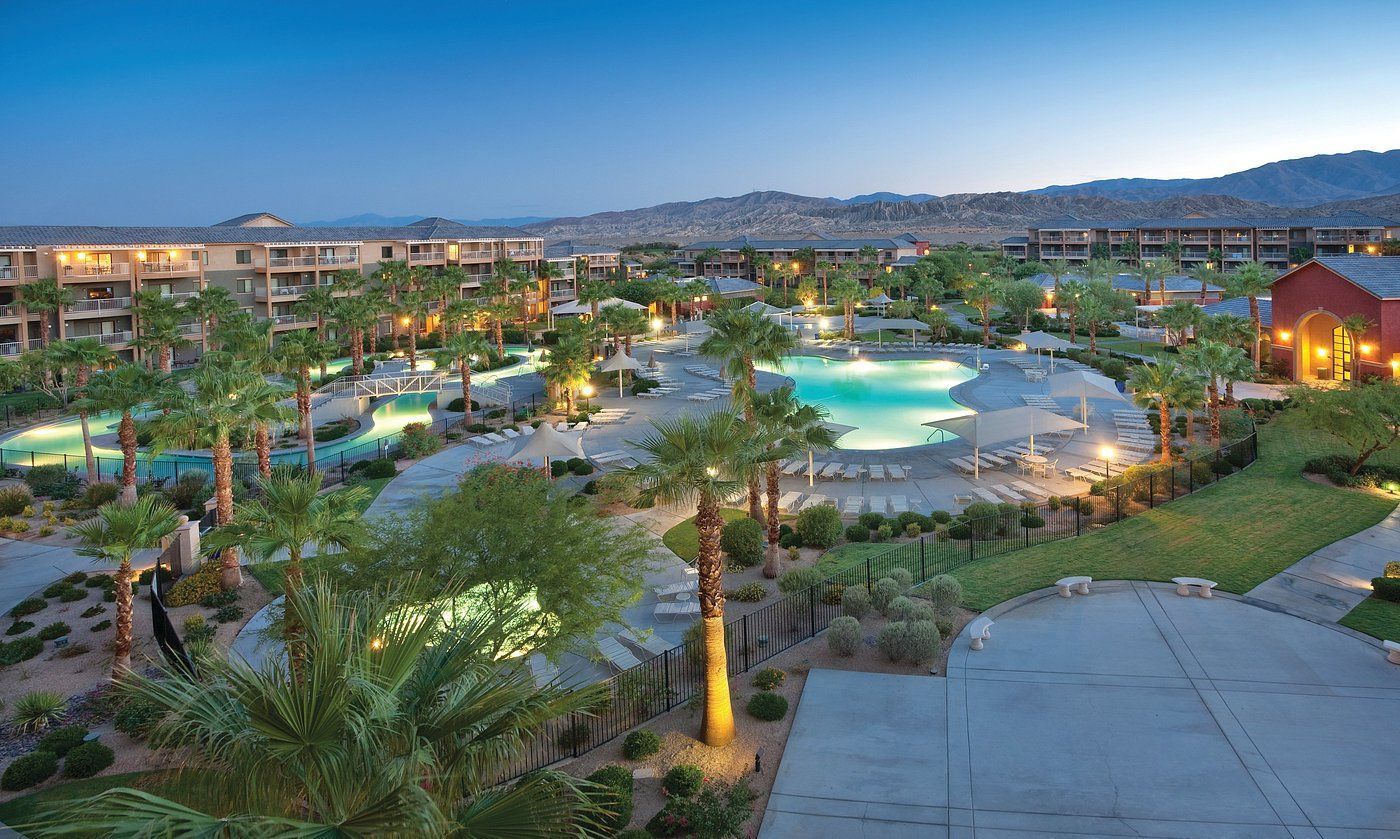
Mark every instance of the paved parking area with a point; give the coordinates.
(1128, 712)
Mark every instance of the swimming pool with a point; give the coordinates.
(887, 401)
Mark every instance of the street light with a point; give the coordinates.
(586, 391)
(1106, 452)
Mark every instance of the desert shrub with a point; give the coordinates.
(189, 492)
(767, 706)
(54, 481)
(613, 488)
(922, 611)
(95, 495)
(717, 810)
(742, 540)
(640, 744)
(223, 598)
(19, 650)
(14, 499)
(832, 594)
(884, 590)
(794, 553)
(819, 526)
(1086, 506)
(581, 468)
(883, 533)
(1053, 503)
(417, 440)
(789, 541)
(795, 580)
(380, 468)
(29, 770)
(228, 614)
(28, 606)
(87, 759)
(683, 780)
(921, 640)
(136, 718)
(872, 520)
(98, 581)
(62, 739)
(57, 629)
(19, 627)
(46, 530)
(1386, 588)
(1032, 521)
(903, 577)
(749, 593)
(899, 608)
(843, 636)
(911, 530)
(903, 520)
(573, 736)
(101, 626)
(196, 630)
(857, 533)
(941, 516)
(945, 593)
(768, 678)
(37, 710)
(1392, 569)
(959, 530)
(72, 595)
(55, 589)
(558, 468)
(615, 797)
(893, 641)
(983, 518)
(194, 587)
(855, 601)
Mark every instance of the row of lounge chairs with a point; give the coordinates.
(705, 372)
(505, 435)
(609, 415)
(844, 471)
(709, 395)
(1042, 402)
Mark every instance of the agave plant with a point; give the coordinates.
(39, 709)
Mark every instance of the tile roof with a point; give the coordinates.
(821, 242)
(1132, 282)
(1016, 240)
(569, 247)
(730, 285)
(229, 233)
(1380, 275)
(1212, 222)
(1239, 306)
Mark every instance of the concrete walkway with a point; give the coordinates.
(1327, 584)
(1127, 712)
(27, 567)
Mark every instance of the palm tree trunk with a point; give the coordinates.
(500, 340)
(304, 408)
(231, 576)
(1254, 316)
(1190, 426)
(755, 496)
(770, 566)
(262, 443)
(986, 325)
(291, 628)
(1093, 339)
(412, 330)
(1214, 414)
(1164, 417)
(321, 336)
(167, 359)
(717, 723)
(1229, 391)
(121, 644)
(126, 436)
(357, 353)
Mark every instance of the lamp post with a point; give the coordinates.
(1106, 452)
(586, 391)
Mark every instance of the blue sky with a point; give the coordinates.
(187, 113)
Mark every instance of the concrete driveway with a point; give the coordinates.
(1127, 712)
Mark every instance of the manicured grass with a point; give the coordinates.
(1375, 617)
(375, 486)
(970, 311)
(27, 808)
(684, 539)
(851, 554)
(1239, 533)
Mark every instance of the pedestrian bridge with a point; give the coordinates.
(375, 386)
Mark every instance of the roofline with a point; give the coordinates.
(1291, 271)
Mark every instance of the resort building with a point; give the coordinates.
(1178, 287)
(728, 258)
(267, 262)
(591, 262)
(1224, 242)
(1307, 340)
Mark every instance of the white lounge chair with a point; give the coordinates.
(542, 670)
(813, 500)
(673, 610)
(854, 505)
(673, 589)
(788, 500)
(850, 472)
(1031, 489)
(896, 472)
(830, 470)
(986, 495)
(650, 642)
(1008, 492)
(616, 654)
(877, 472)
(510, 433)
(899, 504)
(879, 504)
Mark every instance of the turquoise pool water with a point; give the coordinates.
(62, 441)
(887, 401)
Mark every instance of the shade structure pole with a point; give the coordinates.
(1084, 408)
(619, 384)
(1052, 359)
(1032, 445)
(976, 463)
(811, 482)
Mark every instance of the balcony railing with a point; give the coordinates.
(476, 256)
(193, 328)
(1334, 238)
(19, 272)
(84, 269)
(102, 304)
(335, 260)
(282, 291)
(524, 253)
(1153, 239)
(1273, 238)
(112, 338)
(11, 348)
(286, 262)
(1243, 255)
(177, 266)
(283, 320)
(9, 310)
(427, 256)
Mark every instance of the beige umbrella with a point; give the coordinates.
(1082, 383)
(991, 427)
(547, 442)
(837, 430)
(620, 361)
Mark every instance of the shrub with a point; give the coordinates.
(55, 589)
(1392, 569)
(228, 614)
(921, 640)
(683, 780)
(28, 606)
(819, 526)
(843, 636)
(87, 760)
(558, 468)
(57, 629)
(903, 520)
(20, 650)
(789, 541)
(1086, 506)
(945, 593)
(19, 627)
(857, 533)
(767, 706)
(14, 499)
(54, 481)
(223, 598)
(884, 590)
(194, 587)
(195, 629)
(855, 601)
(417, 440)
(959, 530)
(795, 580)
(1053, 503)
(945, 627)
(749, 593)
(768, 678)
(136, 718)
(742, 541)
(911, 529)
(615, 797)
(883, 533)
(98, 581)
(833, 593)
(1032, 521)
(941, 516)
(29, 770)
(62, 739)
(921, 612)
(717, 810)
(101, 625)
(98, 494)
(870, 521)
(1386, 588)
(983, 518)
(894, 641)
(380, 468)
(899, 608)
(794, 553)
(73, 595)
(902, 576)
(641, 744)
(39, 709)
(581, 468)
(189, 492)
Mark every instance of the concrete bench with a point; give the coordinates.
(1069, 585)
(1184, 584)
(979, 631)
(1392, 651)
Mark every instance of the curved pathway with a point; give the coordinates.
(1332, 581)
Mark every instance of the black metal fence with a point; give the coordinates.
(675, 677)
(167, 638)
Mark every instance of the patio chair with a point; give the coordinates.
(673, 589)
(789, 500)
(877, 472)
(896, 472)
(616, 654)
(854, 505)
(850, 472)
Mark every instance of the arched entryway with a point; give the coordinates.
(1324, 348)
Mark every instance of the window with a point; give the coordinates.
(243, 256)
(245, 285)
(165, 289)
(386, 252)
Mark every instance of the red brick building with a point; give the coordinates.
(1309, 304)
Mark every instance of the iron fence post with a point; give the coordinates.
(811, 611)
(746, 643)
(666, 675)
(1078, 518)
(867, 573)
(923, 551)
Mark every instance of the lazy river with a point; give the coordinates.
(886, 401)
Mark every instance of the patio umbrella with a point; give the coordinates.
(1044, 341)
(837, 430)
(548, 442)
(574, 307)
(618, 362)
(881, 324)
(1084, 384)
(694, 327)
(992, 427)
(880, 301)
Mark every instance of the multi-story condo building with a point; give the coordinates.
(267, 263)
(732, 262)
(1230, 241)
(592, 262)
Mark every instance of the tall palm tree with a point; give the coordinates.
(566, 366)
(1153, 386)
(353, 316)
(444, 287)
(412, 307)
(82, 356)
(1181, 319)
(1058, 269)
(296, 354)
(158, 325)
(749, 254)
(464, 349)
(211, 304)
(1205, 275)
(1356, 326)
(704, 460)
(740, 339)
(787, 427)
(398, 726)
(593, 292)
(630, 323)
(1093, 313)
(1216, 362)
(45, 297)
(250, 342)
(1073, 293)
(1234, 330)
(124, 391)
(847, 291)
(706, 255)
(263, 400)
(319, 304)
(111, 537)
(983, 291)
(289, 514)
(1252, 281)
(1155, 271)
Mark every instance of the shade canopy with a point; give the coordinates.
(548, 442)
(837, 429)
(1043, 341)
(618, 362)
(575, 307)
(992, 427)
(1082, 383)
(880, 300)
(764, 309)
(695, 327)
(866, 324)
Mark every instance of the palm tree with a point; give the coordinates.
(1190, 398)
(158, 322)
(848, 292)
(296, 354)
(124, 391)
(318, 303)
(749, 254)
(1216, 362)
(787, 427)
(289, 514)
(353, 316)
(398, 726)
(704, 460)
(630, 323)
(111, 537)
(212, 304)
(45, 297)
(1153, 386)
(463, 348)
(566, 365)
(593, 292)
(1155, 271)
(82, 356)
(706, 255)
(825, 268)
(1205, 275)
(545, 273)
(1092, 311)
(443, 287)
(1180, 319)
(738, 339)
(1252, 281)
(1058, 269)
(263, 402)
(412, 307)
(251, 343)
(1356, 326)
(1073, 293)
(983, 291)
(1234, 330)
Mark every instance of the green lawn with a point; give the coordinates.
(849, 555)
(375, 486)
(1238, 533)
(26, 808)
(1375, 617)
(1119, 344)
(684, 539)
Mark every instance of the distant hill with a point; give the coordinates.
(872, 197)
(1287, 183)
(376, 220)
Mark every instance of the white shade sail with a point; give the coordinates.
(618, 362)
(992, 427)
(764, 309)
(575, 307)
(880, 300)
(866, 324)
(1085, 384)
(1043, 341)
(548, 442)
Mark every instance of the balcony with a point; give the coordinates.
(427, 256)
(528, 253)
(9, 310)
(192, 328)
(110, 338)
(289, 321)
(170, 268)
(98, 306)
(1153, 239)
(1273, 238)
(337, 261)
(114, 270)
(19, 272)
(476, 256)
(286, 292)
(1195, 239)
(1347, 238)
(1241, 256)
(282, 263)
